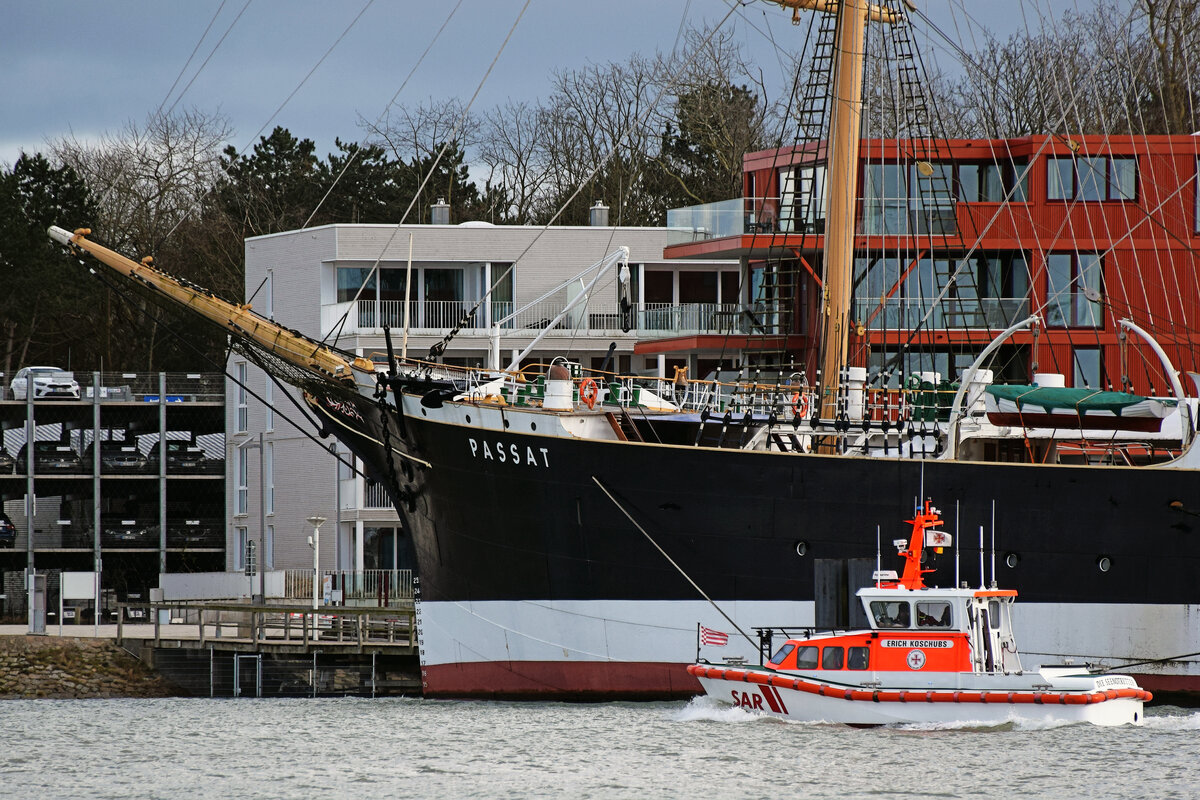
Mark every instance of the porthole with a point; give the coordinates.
(1104, 563)
(468, 419)
(801, 548)
(1011, 560)
(533, 426)
(424, 413)
(507, 423)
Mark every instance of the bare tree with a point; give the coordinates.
(148, 178)
(510, 147)
(416, 136)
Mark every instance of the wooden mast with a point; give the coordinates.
(842, 150)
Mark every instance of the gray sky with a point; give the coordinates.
(85, 67)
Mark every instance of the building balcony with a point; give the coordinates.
(597, 319)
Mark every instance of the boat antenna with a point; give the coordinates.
(982, 575)
(921, 495)
(878, 559)
(956, 549)
(993, 541)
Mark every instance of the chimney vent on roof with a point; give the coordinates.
(440, 212)
(599, 213)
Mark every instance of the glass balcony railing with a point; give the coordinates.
(993, 313)
(757, 215)
(658, 319)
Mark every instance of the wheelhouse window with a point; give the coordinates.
(933, 615)
(1074, 285)
(806, 658)
(833, 657)
(858, 658)
(1091, 178)
(782, 653)
(890, 613)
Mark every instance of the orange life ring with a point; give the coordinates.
(588, 392)
(800, 404)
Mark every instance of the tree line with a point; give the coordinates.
(643, 135)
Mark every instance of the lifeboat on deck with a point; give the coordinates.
(930, 655)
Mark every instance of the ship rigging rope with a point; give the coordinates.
(362, 435)
(453, 135)
(383, 114)
(650, 538)
(233, 161)
(440, 347)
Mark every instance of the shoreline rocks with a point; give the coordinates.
(69, 668)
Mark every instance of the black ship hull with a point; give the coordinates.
(518, 531)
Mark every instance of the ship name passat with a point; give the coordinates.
(510, 454)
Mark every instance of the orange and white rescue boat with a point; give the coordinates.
(930, 655)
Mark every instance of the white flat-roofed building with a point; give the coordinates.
(344, 283)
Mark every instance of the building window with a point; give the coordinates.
(268, 556)
(1074, 285)
(345, 464)
(1091, 178)
(993, 182)
(243, 474)
(268, 305)
(905, 200)
(242, 534)
(269, 399)
(443, 297)
(1089, 371)
(268, 477)
(801, 200)
(242, 411)
(355, 283)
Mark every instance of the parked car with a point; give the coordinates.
(194, 533)
(184, 456)
(130, 533)
(8, 531)
(47, 382)
(51, 456)
(118, 456)
(8, 464)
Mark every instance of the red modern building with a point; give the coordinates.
(955, 241)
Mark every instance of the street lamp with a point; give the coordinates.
(314, 542)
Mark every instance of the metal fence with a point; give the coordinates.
(379, 587)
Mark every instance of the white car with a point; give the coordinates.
(48, 382)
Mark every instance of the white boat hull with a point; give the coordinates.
(775, 695)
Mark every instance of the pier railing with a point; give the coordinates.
(281, 624)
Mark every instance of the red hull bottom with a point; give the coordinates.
(559, 680)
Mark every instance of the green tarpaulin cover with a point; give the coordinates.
(1058, 398)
